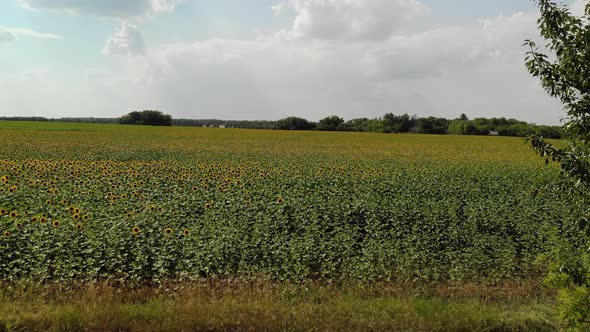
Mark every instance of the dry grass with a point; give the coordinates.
(272, 307)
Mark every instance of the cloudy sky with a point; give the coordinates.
(268, 59)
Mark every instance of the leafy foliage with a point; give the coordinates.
(147, 118)
(564, 73)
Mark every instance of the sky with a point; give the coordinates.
(269, 59)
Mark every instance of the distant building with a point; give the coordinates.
(494, 133)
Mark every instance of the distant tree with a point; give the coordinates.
(331, 123)
(148, 118)
(468, 127)
(294, 123)
(463, 117)
(432, 125)
(398, 123)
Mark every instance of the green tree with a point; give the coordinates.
(148, 118)
(398, 123)
(563, 68)
(294, 123)
(331, 123)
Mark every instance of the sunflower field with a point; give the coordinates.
(141, 204)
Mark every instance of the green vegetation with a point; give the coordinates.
(147, 118)
(236, 307)
(145, 209)
(564, 74)
(178, 203)
(389, 123)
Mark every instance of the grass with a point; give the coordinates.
(271, 307)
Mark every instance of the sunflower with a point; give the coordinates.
(71, 208)
(48, 202)
(2, 211)
(79, 226)
(186, 232)
(129, 214)
(6, 233)
(280, 200)
(12, 189)
(56, 223)
(43, 219)
(86, 216)
(34, 219)
(248, 203)
(135, 230)
(168, 231)
(18, 225)
(160, 209)
(76, 216)
(208, 205)
(77, 211)
(13, 214)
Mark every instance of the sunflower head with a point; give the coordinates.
(34, 219)
(135, 230)
(76, 216)
(86, 217)
(79, 226)
(56, 223)
(18, 225)
(280, 200)
(208, 205)
(13, 214)
(48, 202)
(6, 233)
(43, 219)
(77, 211)
(186, 232)
(2, 211)
(168, 231)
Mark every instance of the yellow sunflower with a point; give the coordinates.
(135, 230)
(168, 231)
(186, 232)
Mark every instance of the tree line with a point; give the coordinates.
(389, 123)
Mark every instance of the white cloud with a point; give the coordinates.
(127, 40)
(476, 69)
(350, 19)
(31, 33)
(106, 8)
(10, 34)
(6, 36)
